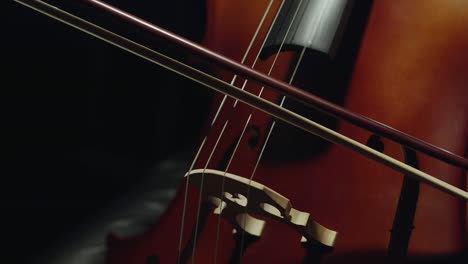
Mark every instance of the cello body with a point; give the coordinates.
(410, 73)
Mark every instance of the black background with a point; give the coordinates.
(82, 121)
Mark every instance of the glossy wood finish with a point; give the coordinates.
(411, 74)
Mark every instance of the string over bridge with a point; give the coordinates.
(236, 208)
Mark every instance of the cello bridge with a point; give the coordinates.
(236, 199)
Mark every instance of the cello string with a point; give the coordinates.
(248, 119)
(251, 114)
(222, 103)
(246, 53)
(293, 75)
(242, 133)
(274, 122)
(220, 136)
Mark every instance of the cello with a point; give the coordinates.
(400, 71)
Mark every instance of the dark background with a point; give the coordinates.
(83, 121)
